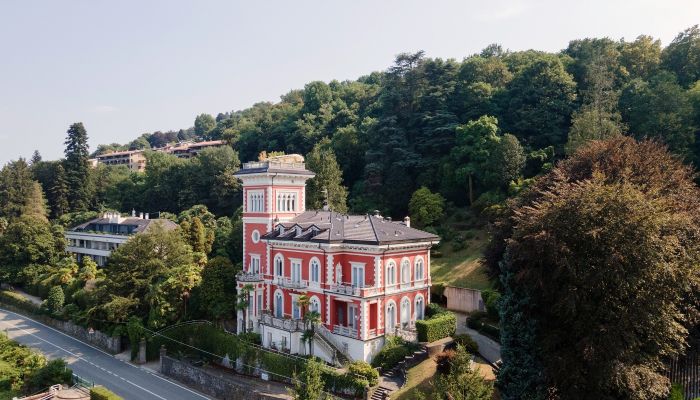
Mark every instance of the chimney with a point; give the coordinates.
(407, 221)
(141, 215)
(133, 213)
(147, 216)
(377, 214)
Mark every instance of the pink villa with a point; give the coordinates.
(367, 276)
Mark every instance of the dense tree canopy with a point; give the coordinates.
(598, 271)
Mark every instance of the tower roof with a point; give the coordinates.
(288, 164)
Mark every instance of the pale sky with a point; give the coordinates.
(127, 67)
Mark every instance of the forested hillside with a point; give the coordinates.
(395, 131)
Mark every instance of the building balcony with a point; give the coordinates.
(291, 283)
(285, 324)
(348, 331)
(351, 290)
(248, 277)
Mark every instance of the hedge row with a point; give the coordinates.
(101, 393)
(17, 300)
(436, 328)
(185, 340)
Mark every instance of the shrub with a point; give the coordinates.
(491, 299)
(458, 245)
(444, 361)
(17, 300)
(54, 372)
(469, 344)
(101, 393)
(394, 351)
(475, 318)
(434, 309)
(677, 392)
(251, 337)
(436, 328)
(437, 294)
(363, 369)
(55, 300)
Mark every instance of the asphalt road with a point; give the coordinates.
(488, 348)
(127, 380)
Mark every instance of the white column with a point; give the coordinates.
(328, 310)
(329, 270)
(377, 271)
(364, 313)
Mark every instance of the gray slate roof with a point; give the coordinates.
(333, 227)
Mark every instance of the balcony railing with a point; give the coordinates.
(346, 331)
(289, 325)
(371, 333)
(352, 290)
(248, 277)
(291, 283)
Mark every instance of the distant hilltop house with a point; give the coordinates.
(136, 159)
(366, 276)
(99, 237)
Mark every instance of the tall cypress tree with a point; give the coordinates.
(77, 168)
(329, 177)
(59, 192)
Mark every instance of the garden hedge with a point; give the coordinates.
(101, 393)
(436, 328)
(17, 300)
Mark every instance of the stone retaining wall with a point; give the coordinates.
(99, 339)
(209, 383)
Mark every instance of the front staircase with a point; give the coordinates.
(324, 338)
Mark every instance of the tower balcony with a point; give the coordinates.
(249, 277)
(291, 283)
(354, 290)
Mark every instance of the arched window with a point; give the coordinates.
(279, 266)
(420, 307)
(391, 273)
(390, 317)
(405, 271)
(279, 305)
(315, 271)
(419, 268)
(405, 312)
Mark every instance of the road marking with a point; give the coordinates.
(101, 351)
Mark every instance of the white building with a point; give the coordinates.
(99, 237)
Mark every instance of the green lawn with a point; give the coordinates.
(463, 268)
(419, 378)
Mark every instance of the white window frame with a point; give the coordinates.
(315, 282)
(255, 236)
(295, 270)
(256, 201)
(420, 267)
(278, 274)
(287, 201)
(279, 306)
(419, 310)
(390, 277)
(405, 270)
(254, 262)
(357, 274)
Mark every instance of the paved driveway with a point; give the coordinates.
(488, 348)
(93, 364)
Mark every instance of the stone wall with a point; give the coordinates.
(99, 339)
(209, 382)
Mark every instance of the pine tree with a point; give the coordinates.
(329, 178)
(59, 193)
(77, 168)
(36, 158)
(34, 203)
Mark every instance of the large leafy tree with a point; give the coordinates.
(538, 103)
(598, 265)
(328, 182)
(150, 276)
(204, 124)
(215, 296)
(77, 168)
(682, 56)
(660, 109)
(17, 188)
(28, 240)
(426, 207)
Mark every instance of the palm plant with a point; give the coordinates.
(244, 302)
